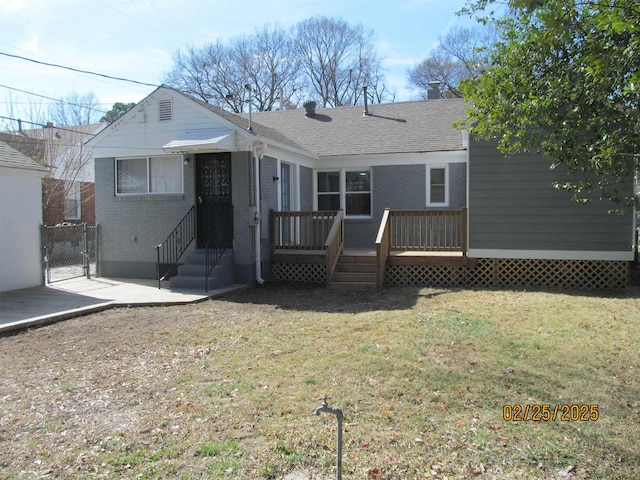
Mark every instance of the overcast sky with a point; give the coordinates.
(136, 39)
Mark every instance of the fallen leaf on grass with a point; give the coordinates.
(477, 470)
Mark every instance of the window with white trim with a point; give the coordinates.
(72, 201)
(437, 191)
(329, 190)
(358, 193)
(149, 175)
(345, 189)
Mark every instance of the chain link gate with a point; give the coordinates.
(69, 251)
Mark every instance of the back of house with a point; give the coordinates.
(178, 172)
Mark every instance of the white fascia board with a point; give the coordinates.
(387, 159)
(285, 154)
(552, 254)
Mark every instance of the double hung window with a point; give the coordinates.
(72, 201)
(358, 193)
(149, 175)
(437, 194)
(328, 190)
(349, 190)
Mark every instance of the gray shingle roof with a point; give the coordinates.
(242, 121)
(405, 127)
(12, 158)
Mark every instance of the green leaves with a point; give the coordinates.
(565, 77)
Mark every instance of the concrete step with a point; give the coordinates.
(191, 275)
(199, 257)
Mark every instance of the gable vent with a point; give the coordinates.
(166, 109)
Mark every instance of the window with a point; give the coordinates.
(349, 190)
(328, 190)
(72, 201)
(285, 187)
(358, 193)
(437, 194)
(149, 175)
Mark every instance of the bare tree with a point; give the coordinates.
(460, 54)
(337, 60)
(76, 109)
(53, 134)
(262, 64)
(269, 65)
(204, 72)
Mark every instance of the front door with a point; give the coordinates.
(213, 191)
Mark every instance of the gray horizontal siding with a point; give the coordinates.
(306, 189)
(513, 205)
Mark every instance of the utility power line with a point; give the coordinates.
(20, 122)
(88, 72)
(54, 99)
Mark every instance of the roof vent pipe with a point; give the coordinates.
(434, 91)
(310, 107)
(366, 102)
(248, 89)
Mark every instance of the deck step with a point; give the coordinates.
(358, 277)
(356, 267)
(355, 270)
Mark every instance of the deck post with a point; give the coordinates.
(383, 245)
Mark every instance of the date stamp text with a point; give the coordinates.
(546, 413)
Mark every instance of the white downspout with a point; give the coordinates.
(257, 153)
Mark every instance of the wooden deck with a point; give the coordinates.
(406, 238)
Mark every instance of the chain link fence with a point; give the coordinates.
(69, 251)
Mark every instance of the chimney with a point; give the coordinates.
(310, 107)
(434, 91)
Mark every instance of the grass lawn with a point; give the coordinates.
(425, 378)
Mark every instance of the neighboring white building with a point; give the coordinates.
(20, 219)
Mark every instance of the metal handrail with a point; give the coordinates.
(172, 249)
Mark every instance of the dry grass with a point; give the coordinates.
(227, 388)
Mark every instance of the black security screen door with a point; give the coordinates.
(213, 190)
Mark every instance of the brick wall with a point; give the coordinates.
(53, 202)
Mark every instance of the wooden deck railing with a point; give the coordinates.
(428, 230)
(313, 232)
(383, 246)
(334, 244)
(301, 230)
(419, 231)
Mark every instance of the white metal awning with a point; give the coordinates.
(203, 140)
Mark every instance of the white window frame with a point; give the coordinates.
(148, 160)
(430, 167)
(73, 193)
(294, 191)
(343, 188)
